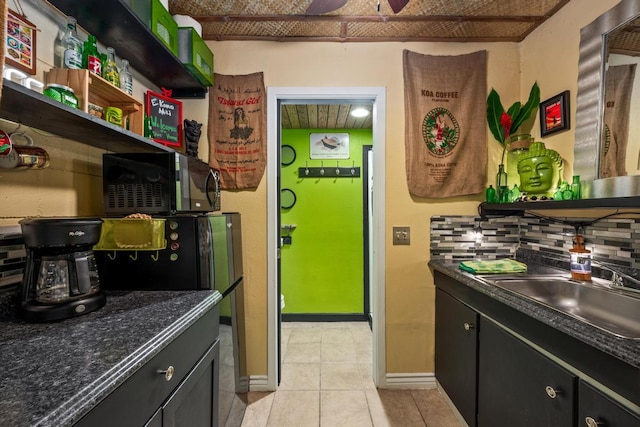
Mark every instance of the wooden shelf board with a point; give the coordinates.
(22, 105)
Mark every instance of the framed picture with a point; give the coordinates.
(20, 43)
(554, 114)
(329, 146)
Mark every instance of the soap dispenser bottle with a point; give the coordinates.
(580, 260)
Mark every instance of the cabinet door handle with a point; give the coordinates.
(168, 373)
(551, 392)
(591, 422)
(468, 326)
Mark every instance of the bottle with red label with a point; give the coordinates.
(91, 57)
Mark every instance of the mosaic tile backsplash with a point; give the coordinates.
(612, 241)
(12, 256)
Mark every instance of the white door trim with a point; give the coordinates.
(377, 95)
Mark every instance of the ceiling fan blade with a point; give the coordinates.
(397, 5)
(319, 7)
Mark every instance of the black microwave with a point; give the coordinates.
(158, 183)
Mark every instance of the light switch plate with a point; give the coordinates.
(401, 236)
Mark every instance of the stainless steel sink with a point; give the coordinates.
(606, 308)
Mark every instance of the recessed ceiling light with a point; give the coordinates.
(360, 112)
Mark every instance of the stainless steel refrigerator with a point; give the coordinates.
(228, 280)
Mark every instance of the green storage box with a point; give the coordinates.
(159, 20)
(195, 55)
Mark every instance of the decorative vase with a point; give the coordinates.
(517, 145)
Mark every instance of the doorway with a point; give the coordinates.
(323, 214)
(276, 97)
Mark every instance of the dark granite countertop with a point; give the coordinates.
(627, 350)
(54, 373)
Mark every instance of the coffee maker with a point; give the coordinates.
(61, 276)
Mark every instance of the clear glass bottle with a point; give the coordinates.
(91, 57)
(72, 53)
(126, 80)
(110, 71)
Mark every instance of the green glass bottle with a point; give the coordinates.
(576, 188)
(490, 195)
(514, 194)
(91, 57)
(502, 185)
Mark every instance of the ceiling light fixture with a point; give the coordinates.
(360, 112)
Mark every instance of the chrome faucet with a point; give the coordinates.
(618, 279)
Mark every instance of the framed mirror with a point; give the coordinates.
(287, 155)
(599, 51)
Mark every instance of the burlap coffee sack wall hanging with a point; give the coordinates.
(445, 124)
(237, 130)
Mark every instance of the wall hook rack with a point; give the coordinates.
(322, 172)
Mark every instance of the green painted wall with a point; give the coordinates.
(323, 268)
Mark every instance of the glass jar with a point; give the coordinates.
(518, 144)
(61, 93)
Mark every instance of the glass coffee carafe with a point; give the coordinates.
(66, 276)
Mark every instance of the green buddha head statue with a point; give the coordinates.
(540, 170)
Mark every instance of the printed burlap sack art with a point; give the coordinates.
(237, 130)
(445, 125)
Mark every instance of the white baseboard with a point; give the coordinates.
(259, 383)
(410, 380)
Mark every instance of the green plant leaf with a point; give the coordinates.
(513, 112)
(528, 108)
(494, 112)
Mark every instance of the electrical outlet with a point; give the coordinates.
(401, 236)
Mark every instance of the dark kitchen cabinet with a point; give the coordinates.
(456, 353)
(519, 386)
(597, 409)
(176, 387)
(515, 371)
(115, 24)
(192, 404)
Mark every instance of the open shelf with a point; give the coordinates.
(518, 208)
(22, 105)
(114, 24)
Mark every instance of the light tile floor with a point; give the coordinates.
(326, 382)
